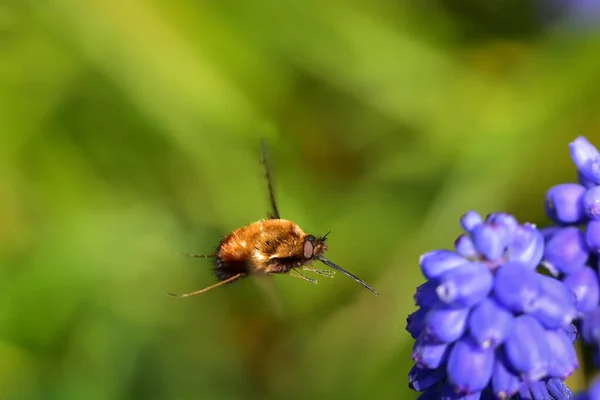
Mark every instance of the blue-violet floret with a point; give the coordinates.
(488, 325)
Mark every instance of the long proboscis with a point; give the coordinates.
(343, 271)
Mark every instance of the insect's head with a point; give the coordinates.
(314, 246)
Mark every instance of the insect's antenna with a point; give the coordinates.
(265, 161)
(325, 236)
(343, 271)
(216, 285)
(196, 255)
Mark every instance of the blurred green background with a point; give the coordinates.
(131, 128)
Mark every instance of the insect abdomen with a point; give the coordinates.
(231, 258)
(227, 269)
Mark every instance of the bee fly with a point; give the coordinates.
(271, 246)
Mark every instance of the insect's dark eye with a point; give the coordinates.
(308, 248)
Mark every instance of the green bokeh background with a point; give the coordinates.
(131, 128)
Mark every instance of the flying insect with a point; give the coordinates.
(269, 246)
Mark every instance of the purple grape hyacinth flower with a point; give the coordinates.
(488, 325)
(578, 15)
(591, 393)
(573, 244)
(581, 14)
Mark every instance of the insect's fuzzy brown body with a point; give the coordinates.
(272, 246)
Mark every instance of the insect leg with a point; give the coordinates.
(322, 272)
(196, 255)
(297, 274)
(216, 285)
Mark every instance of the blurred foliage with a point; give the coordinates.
(130, 128)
